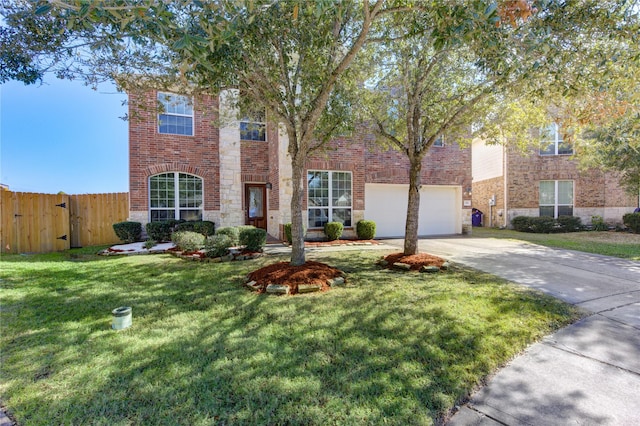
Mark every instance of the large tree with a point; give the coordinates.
(291, 57)
(450, 66)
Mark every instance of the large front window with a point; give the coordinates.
(176, 116)
(552, 142)
(175, 196)
(556, 198)
(328, 198)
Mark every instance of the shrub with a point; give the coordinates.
(333, 230)
(218, 245)
(521, 223)
(203, 227)
(287, 232)
(232, 232)
(598, 224)
(128, 232)
(542, 224)
(161, 230)
(632, 221)
(253, 239)
(188, 240)
(150, 244)
(569, 223)
(366, 229)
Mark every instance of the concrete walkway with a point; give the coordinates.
(587, 373)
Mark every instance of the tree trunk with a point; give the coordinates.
(297, 227)
(413, 208)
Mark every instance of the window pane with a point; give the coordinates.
(251, 131)
(256, 204)
(318, 218)
(341, 189)
(318, 189)
(547, 211)
(191, 215)
(565, 210)
(342, 215)
(565, 148)
(157, 215)
(547, 192)
(565, 192)
(176, 116)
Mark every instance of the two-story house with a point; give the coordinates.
(186, 162)
(544, 181)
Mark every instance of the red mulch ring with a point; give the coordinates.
(416, 261)
(284, 273)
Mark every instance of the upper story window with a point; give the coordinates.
(439, 141)
(253, 125)
(328, 198)
(552, 143)
(176, 117)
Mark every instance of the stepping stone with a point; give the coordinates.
(336, 282)
(253, 285)
(430, 269)
(402, 266)
(278, 289)
(309, 288)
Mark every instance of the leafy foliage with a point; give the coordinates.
(203, 227)
(232, 232)
(218, 245)
(366, 229)
(128, 232)
(333, 230)
(253, 239)
(161, 230)
(188, 240)
(632, 221)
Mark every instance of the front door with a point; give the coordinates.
(255, 205)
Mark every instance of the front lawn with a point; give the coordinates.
(392, 348)
(618, 244)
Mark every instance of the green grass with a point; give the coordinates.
(392, 348)
(617, 244)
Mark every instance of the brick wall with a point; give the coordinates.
(482, 192)
(151, 153)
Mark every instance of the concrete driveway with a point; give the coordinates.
(587, 373)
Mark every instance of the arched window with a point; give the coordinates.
(175, 196)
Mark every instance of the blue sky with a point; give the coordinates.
(63, 136)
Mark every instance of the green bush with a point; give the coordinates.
(232, 232)
(333, 230)
(161, 230)
(218, 245)
(149, 244)
(203, 227)
(128, 232)
(542, 224)
(287, 232)
(569, 224)
(366, 229)
(521, 223)
(188, 240)
(252, 238)
(598, 224)
(632, 221)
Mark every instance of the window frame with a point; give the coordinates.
(330, 207)
(556, 202)
(177, 201)
(248, 119)
(165, 100)
(556, 143)
(439, 142)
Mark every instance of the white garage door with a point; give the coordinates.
(440, 209)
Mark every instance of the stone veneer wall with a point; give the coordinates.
(482, 192)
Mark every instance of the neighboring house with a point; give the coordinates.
(545, 181)
(187, 163)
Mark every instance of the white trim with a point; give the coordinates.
(189, 101)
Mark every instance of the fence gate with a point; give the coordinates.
(40, 223)
(34, 223)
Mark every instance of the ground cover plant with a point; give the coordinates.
(390, 348)
(609, 243)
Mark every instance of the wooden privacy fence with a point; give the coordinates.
(40, 223)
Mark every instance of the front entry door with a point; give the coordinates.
(255, 205)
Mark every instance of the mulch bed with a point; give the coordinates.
(285, 274)
(416, 261)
